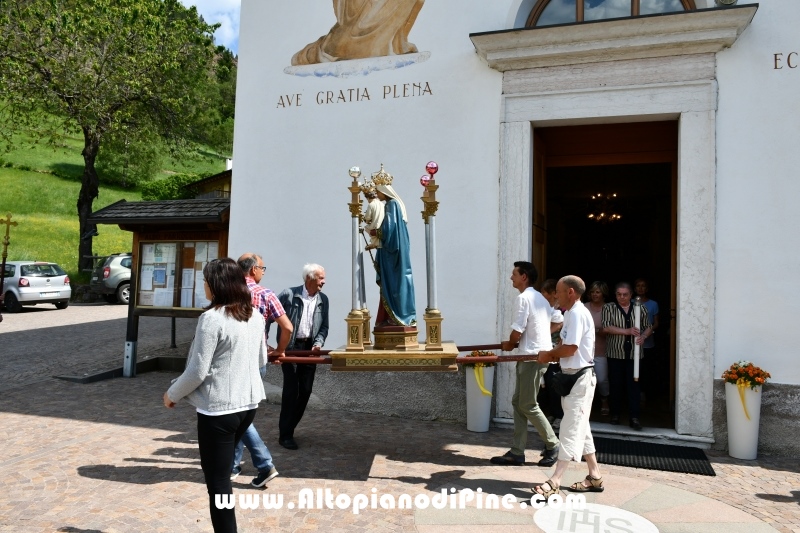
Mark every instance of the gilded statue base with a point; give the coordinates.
(417, 360)
(398, 338)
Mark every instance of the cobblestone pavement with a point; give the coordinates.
(42, 341)
(108, 457)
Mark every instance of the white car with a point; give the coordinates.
(34, 282)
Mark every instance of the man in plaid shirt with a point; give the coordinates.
(266, 303)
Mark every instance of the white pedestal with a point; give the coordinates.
(742, 433)
(479, 406)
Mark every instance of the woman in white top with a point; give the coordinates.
(222, 379)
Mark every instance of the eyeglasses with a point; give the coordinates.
(263, 269)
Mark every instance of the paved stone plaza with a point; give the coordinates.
(108, 457)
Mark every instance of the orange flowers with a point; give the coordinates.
(746, 374)
(479, 353)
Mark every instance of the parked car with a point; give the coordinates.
(112, 278)
(34, 282)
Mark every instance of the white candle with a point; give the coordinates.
(637, 323)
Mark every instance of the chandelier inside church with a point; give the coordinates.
(602, 209)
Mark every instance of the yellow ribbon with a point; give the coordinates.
(741, 385)
(479, 380)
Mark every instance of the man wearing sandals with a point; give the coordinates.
(531, 331)
(574, 353)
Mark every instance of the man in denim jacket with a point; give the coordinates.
(307, 309)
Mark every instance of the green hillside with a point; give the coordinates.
(39, 186)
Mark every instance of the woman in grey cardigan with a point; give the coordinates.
(222, 379)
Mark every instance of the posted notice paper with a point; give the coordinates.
(163, 298)
(186, 297)
(201, 252)
(187, 278)
(213, 250)
(148, 254)
(147, 278)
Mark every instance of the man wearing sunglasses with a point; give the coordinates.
(266, 303)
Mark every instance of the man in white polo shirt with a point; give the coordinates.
(575, 353)
(531, 332)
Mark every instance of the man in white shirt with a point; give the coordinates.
(576, 355)
(307, 308)
(531, 332)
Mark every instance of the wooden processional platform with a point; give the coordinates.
(407, 360)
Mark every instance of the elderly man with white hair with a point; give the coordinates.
(307, 309)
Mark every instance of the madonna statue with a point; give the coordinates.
(393, 259)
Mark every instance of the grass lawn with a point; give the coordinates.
(44, 205)
(44, 208)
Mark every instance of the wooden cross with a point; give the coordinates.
(8, 225)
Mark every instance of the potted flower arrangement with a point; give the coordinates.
(743, 381)
(480, 377)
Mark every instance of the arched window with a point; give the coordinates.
(549, 12)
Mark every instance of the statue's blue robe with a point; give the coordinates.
(394, 266)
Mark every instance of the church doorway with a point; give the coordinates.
(605, 210)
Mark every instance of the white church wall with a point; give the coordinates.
(758, 127)
(290, 196)
(292, 155)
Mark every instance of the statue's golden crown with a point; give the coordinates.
(382, 177)
(367, 187)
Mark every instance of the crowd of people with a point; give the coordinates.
(585, 345)
(615, 336)
(581, 349)
(227, 361)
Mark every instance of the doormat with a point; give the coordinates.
(666, 457)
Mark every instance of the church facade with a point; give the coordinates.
(613, 140)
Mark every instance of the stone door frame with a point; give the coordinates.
(618, 92)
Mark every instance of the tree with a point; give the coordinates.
(169, 188)
(215, 127)
(105, 67)
(129, 159)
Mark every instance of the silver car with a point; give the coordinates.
(112, 278)
(34, 282)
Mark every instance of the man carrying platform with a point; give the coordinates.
(307, 309)
(576, 355)
(531, 332)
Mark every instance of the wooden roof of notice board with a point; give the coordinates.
(171, 212)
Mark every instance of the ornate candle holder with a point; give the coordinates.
(433, 317)
(355, 319)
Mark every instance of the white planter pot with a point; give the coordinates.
(479, 406)
(742, 433)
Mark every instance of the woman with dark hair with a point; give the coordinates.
(222, 379)
(597, 296)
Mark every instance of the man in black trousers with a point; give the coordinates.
(307, 309)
